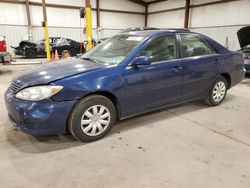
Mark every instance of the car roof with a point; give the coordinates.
(139, 29)
(154, 31)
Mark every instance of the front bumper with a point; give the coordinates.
(19, 52)
(40, 117)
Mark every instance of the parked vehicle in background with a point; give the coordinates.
(126, 75)
(244, 40)
(3, 47)
(5, 57)
(246, 56)
(30, 49)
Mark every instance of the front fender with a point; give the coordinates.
(78, 86)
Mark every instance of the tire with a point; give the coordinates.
(72, 52)
(217, 92)
(87, 128)
(29, 53)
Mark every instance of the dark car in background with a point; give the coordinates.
(129, 74)
(244, 40)
(30, 49)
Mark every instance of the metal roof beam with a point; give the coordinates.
(139, 2)
(156, 1)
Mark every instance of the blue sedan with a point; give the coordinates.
(129, 74)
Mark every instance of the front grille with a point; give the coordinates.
(14, 88)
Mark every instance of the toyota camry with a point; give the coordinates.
(129, 74)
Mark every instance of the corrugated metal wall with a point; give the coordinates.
(166, 19)
(221, 21)
(65, 22)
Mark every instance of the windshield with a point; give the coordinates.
(114, 50)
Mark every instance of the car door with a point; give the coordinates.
(154, 85)
(200, 62)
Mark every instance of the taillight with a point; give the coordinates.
(3, 46)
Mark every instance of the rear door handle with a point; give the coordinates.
(177, 69)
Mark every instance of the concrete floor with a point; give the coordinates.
(190, 145)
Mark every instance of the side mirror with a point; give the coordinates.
(142, 60)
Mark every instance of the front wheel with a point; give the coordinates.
(92, 118)
(217, 92)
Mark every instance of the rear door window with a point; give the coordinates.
(192, 45)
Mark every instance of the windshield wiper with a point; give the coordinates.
(91, 59)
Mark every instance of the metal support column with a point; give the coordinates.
(98, 24)
(46, 31)
(146, 16)
(30, 35)
(187, 10)
(98, 13)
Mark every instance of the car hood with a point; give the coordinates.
(53, 71)
(244, 36)
(23, 44)
(26, 43)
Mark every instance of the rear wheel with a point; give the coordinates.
(30, 53)
(92, 118)
(217, 92)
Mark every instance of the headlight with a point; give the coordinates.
(38, 92)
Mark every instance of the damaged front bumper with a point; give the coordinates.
(39, 117)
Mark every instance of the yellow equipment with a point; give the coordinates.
(47, 40)
(89, 28)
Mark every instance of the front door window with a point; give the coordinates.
(161, 49)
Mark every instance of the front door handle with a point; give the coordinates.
(177, 69)
(217, 61)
